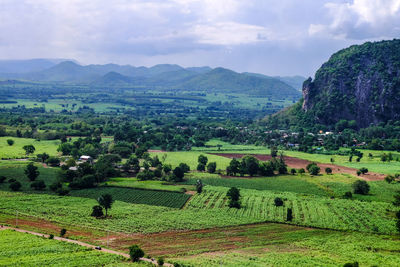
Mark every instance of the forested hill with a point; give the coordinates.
(162, 77)
(359, 84)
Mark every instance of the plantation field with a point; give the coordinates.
(125, 217)
(21, 249)
(190, 158)
(136, 196)
(150, 184)
(16, 150)
(338, 214)
(219, 145)
(280, 245)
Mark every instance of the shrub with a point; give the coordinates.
(360, 187)
(363, 170)
(185, 168)
(202, 160)
(31, 171)
(293, 171)
(348, 195)
(351, 264)
(160, 261)
(10, 142)
(51, 236)
(179, 174)
(38, 185)
(289, 215)
(234, 197)
(63, 232)
(278, 202)
(328, 170)
(358, 172)
(301, 171)
(135, 252)
(15, 186)
(201, 167)
(97, 211)
(53, 161)
(389, 179)
(199, 186)
(2, 179)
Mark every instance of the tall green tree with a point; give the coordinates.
(106, 202)
(31, 171)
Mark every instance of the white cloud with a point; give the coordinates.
(361, 19)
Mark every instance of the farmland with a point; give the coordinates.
(21, 249)
(16, 150)
(137, 196)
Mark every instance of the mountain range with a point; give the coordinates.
(162, 77)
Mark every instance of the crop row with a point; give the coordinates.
(339, 214)
(136, 196)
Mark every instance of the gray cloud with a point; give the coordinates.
(273, 37)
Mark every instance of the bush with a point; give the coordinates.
(97, 211)
(363, 170)
(234, 197)
(351, 264)
(38, 185)
(348, 195)
(135, 252)
(293, 171)
(31, 171)
(53, 161)
(51, 236)
(360, 187)
(358, 172)
(15, 186)
(301, 171)
(63, 232)
(2, 179)
(160, 261)
(201, 167)
(10, 142)
(328, 170)
(389, 179)
(185, 168)
(278, 202)
(289, 215)
(179, 174)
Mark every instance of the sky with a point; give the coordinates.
(273, 37)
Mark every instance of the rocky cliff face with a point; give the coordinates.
(360, 83)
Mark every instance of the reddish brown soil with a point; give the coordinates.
(297, 163)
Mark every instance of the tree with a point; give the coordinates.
(278, 202)
(29, 149)
(301, 171)
(179, 174)
(250, 165)
(10, 142)
(201, 167)
(135, 252)
(2, 179)
(97, 211)
(31, 171)
(234, 197)
(53, 161)
(289, 215)
(389, 179)
(314, 170)
(38, 185)
(43, 157)
(348, 195)
(211, 167)
(266, 168)
(234, 167)
(199, 186)
(63, 232)
(396, 201)
(185, 168)
(160, 261)
(328, 170)
(293, 171)
(274, 152)
(15, 186)
(360, 187)
(105, 201)
(202, 159)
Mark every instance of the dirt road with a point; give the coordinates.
(81, 244)
(302, 163)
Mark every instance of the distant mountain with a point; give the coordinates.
(224, 80)
(294, 81)
(30, 65)
(162, 76)
(358, 86)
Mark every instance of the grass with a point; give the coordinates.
(22, 249)
(190, 158)
(16, 150)
(136, 196)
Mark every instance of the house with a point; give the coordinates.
(84, 158)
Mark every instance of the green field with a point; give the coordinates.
(280, 245)
(136, 196)
(149, 184)
(16, 151)
(338, 214)
(21, 249)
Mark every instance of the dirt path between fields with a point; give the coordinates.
(297, 163)
(81, 244)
